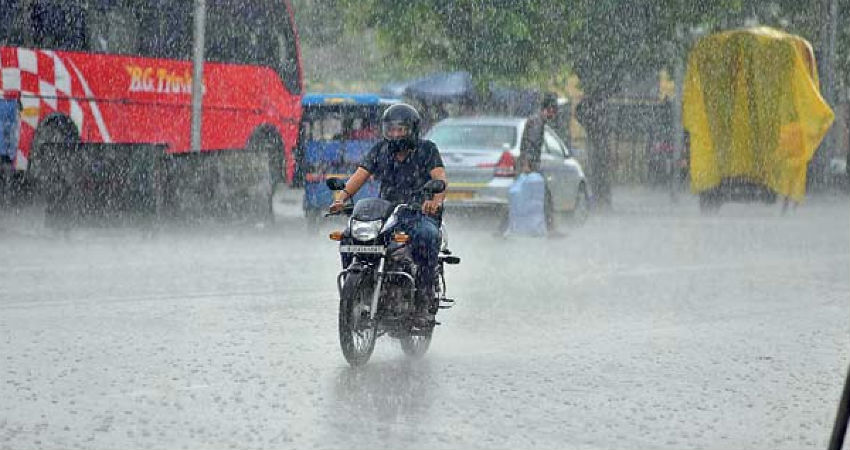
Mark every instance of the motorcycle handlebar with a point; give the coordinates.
(349, 209)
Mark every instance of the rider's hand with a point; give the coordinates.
(336, 206)
(431, 207)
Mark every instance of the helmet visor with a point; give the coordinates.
(395, 130)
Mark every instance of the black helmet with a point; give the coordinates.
(550, 100)
(400, 125)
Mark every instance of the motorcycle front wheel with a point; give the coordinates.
(357, 334)
(416, 345)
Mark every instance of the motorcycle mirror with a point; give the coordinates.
(335, 184)
(435, 186)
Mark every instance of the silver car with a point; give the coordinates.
(480, 154)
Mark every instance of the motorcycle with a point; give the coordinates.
(377, 285)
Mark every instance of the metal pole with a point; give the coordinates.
(839, 429)
(198, 73)
(678, 130)
(678, 127)
(829, 10)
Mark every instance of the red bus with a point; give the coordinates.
(119, 71)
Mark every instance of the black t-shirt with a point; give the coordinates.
(401, 179)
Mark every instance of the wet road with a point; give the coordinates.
(651, 327)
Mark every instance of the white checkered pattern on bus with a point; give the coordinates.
(46, 85)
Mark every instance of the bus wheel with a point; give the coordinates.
(51, 168)
(581, 211)
(264, 148)
(50, 150)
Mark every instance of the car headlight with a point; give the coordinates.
(365, 231)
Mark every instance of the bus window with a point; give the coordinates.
(15, 29)
(149, 28)
(288, 55)
(166, 29)
(256, 33)
(231, 36)
(58, 25)
(12, 23)
(113, 28)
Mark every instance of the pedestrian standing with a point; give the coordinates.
(530, 150)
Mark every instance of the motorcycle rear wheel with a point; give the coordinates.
(356, 339)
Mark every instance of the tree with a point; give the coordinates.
(602, 41)
(614, 41)
(319, 21)
(491, 39)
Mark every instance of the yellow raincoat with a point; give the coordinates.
(753, 110)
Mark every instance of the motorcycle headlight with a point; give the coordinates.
(365, 231)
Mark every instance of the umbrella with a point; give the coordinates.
(442, 87)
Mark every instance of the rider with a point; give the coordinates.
(403, 163)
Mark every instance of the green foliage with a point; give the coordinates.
(538, 41)
(319, 21)
(492, 39)
(616, 39)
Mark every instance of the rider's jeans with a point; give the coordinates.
(424, 234)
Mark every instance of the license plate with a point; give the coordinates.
(378, 249)
(459, 195)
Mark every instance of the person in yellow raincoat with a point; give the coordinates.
(753, 110)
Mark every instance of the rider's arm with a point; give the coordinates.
(439, 173)
(354, 184)
(433, 206)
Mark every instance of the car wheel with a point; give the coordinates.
(51, 170)
(581, 210)
(709, 203)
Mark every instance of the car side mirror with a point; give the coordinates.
(435, 186)
(335, 184)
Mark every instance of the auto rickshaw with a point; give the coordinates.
(755, 116)
(336, 131)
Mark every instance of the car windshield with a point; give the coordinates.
(473, 136)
